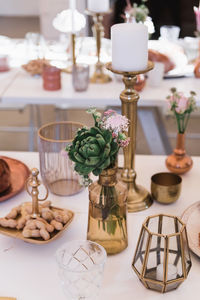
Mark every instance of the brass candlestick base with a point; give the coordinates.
(138, 197)
(99, 76)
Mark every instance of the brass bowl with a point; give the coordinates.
(166, 187)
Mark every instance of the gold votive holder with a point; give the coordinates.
(165, 187)
(162, 257)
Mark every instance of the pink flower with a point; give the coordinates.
(116, 123)
(182, 104)
(109, 112)
(197, 14)
(124, 143)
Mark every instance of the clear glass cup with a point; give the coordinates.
(56, 168)
(156, 75)
(170, 32)
(80, 77)
(81, 265)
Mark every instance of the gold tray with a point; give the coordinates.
(15, 233)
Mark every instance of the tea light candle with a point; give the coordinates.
(171, 274)
(98, 6)
(129, 47)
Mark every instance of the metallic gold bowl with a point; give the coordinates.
(166, 187)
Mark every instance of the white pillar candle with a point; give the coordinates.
(72, 6)
(129, 47)
(98, 6)
(171, 272)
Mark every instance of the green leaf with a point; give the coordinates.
(114, 148)
(78, 157)
(82, 169)
(95, 130)
(105, 164)
(97, 171)
(93, 150)
(100, 140)
(92, 161)
(107, 136)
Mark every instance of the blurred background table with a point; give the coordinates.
(30, 272)
(18, 89)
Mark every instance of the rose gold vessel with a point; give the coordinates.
(179, 162)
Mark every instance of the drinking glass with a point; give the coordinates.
(81, 265)
(55, 166)
(156, 75)
(51, 78)
(170, 32)
(80, 77)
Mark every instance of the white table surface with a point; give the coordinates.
(6, 78)
(29, 272)
(26, 89)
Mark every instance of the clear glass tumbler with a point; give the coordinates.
(81, 265)
(80, 77)
(170, 32)
(56, 168)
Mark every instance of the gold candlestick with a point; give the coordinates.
(73, 54)
(99, 76)
(138, 197)
(33, 182)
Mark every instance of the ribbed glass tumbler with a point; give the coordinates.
(56, 168)
(80, 267)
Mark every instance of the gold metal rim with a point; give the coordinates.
(150, 66)
(160, 234)
(57, 123)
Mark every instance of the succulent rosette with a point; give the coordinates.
(95, 149)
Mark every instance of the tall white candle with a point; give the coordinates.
(171, 273)
(72, 6)
(129, 47)
(98, 6)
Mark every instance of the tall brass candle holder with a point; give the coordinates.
(138, 197)
(73, 54)
(99, 76)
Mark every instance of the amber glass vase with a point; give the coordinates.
(179, 162)
(107, 212)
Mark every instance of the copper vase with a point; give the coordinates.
(179, 162)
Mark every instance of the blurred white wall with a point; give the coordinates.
(19, 7)
(48, 10)
(45, 9)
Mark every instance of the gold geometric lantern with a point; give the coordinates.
(162, 257)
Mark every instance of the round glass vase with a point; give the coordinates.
(107, 212)
(179, 162)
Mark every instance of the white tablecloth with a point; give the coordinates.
(29, 272)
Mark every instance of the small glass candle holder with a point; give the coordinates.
(80, 77)
(4, 64)
(51, 78)
(57, 170)
(81, 266)
(170, 32)
(162, 257)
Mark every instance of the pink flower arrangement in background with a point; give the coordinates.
(197, 14)
(182, 107)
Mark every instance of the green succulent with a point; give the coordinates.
(92, 150)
